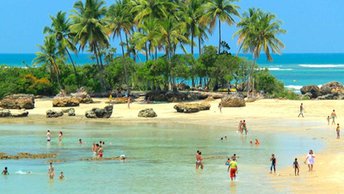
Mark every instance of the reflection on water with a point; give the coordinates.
(160, 158)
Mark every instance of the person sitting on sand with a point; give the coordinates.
(273, 163)
(5, 171)
(296, 167)
(61, 175)
(310, 160)
(338, 131)
(232, 169)
(51, 171)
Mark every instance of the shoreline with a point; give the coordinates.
(259, 115)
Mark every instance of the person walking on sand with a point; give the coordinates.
(296, 167)
(328, 120)
(51, 171)
(310, 160)
(333, 116)
(338, 131)
(220, 106)
(129, 101)
(301, 110)
(232, 169)
(273, 163)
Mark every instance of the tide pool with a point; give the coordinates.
(160, 158)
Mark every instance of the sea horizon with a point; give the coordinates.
(295, 70)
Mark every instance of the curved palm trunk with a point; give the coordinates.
(74, 68)
(219, 36)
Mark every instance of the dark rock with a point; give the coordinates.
(54, 113)
(327, 97)
(66, 101)
(233, 100)
(18, 101)
(314, 90)
(69, 111)
(21, 113)
(191, 107)
(106, 112)
(148, 112)
(5, 113)
(332, 88)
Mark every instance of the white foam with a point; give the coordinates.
(322, 65)
(275, 69)
(279, 69)
(294, 87)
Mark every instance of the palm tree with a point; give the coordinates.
(223, 10)
(151, 8)
(60, 31)
(193, 15)
(258, 31)
(150, 34)
(89, 27)
(119, 20)
(48, 56)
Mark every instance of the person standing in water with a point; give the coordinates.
(51, 171)
(310, 160)
(338, 131)
(296, 167)
(48, 136)
(232, 169)
(333, 116)
(240, 127)
(273, 163)
(301, 110)
(61, 176)
(5, 171)
(244, 127)
(60, 136)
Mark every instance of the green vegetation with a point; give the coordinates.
(149, 27)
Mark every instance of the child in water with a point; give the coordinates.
(296, 167)
(61, 175)
(5, 171)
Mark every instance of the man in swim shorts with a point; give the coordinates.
(232, 169)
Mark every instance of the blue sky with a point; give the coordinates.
(314, 26)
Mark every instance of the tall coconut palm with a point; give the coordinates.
(258, 32)
(223, 10)
(60, 31)
(151, 8)
(193, 15)
(118, 18)
(89, 27)
(150, 34)
(48, 56)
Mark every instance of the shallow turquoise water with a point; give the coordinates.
(160, 158)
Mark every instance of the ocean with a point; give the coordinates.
(294, 70)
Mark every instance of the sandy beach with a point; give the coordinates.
(280, 115)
